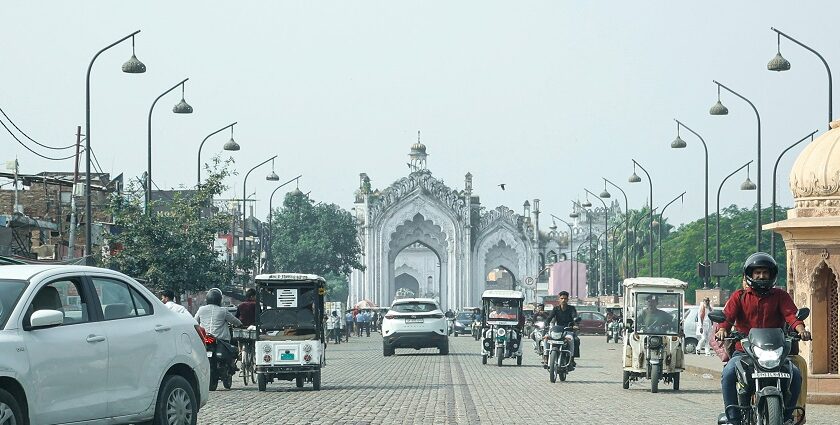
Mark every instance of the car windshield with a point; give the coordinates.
(414, 307)
(465, 317)
(655, 312)
(289, 309)
(10, 291)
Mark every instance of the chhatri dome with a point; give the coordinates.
(815, 177)
(417, 157)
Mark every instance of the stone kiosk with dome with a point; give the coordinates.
(812, 240)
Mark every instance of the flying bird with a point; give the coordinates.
(502, 186)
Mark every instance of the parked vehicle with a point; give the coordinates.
(592, 323)
(414, 323)
(764, 373)
(653, 345)
(84, 344)
(502, 326)
(290, 329)
(561, 349)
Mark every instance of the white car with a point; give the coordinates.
(414, 323)
(84, 344)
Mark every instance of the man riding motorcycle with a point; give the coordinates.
(563, 315)
(214, 318)
(760, 306)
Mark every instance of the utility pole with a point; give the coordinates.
(71, 243)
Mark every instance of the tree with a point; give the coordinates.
(171, 247)
(319, 239)
(337, 287)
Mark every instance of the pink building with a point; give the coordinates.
(568, 276)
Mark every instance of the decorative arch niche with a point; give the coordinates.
(824, 320)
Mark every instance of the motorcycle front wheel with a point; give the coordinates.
(500, 355)
(772, 413)
(655, 376)
(552, 367)
(562, 372)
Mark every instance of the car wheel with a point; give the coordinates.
(316, 380)
(176, 403)
(676, 381)
(214, 379)
(261, 384)
(444, 349)
(10, 412)
(387, 350)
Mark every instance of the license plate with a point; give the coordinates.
(209, 354)
(771, 375)
(413, 320)
(287, 356)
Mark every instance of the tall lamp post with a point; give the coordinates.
(773, 211)
(270, 229)
(779, 63)
(606, 241)
(605, 263)
(679, 143)
(271, 177)
(746, 185)
(626, 223)
(635, 250)
(636, 179)
(571, 253)
(132, 66)
(719, 109)
(574, 214)
(181, 107)
(661, 225)
(231, 145)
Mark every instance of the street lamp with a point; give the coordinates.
(574, 214)
(636, 179)
(571, 254)
(746, 185)
(678, 143)
(244, 191)
(626, 225)
(661, 225)
(132, 66)
(269, 257)
(773, 212)
(716, 110)
(606, 242)
(779, 63)
(635, 248)
(231, 145)
(181, 108)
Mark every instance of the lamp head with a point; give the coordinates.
(272, 176)
(574, 214)
(718, 109)
(605, 194)
(133, 66)
(748, 184)
(231, 145)
(778, 63)
(678, 143)
(634, 178)
(182, 107)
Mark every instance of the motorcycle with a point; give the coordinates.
(763, 373)
(476, 328)
(537, 337)
(561, 346)
(614, 331)
(222, 357)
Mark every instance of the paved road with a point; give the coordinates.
(360, 386)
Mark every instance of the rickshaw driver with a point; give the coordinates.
(563, 315)
(652, 316)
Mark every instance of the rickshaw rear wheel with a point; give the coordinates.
(676, 382)
(655, 375)
(261, 384)
(519, 360)
(299, 381)
(625, 382)
(484, 359)
(316, 380)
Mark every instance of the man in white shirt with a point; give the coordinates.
(168, 298)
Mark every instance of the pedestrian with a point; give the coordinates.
(360, 317)
(348, 325)
(246, 311)
(366, 322)
(167, 296)
(333, 327)
(704, 327)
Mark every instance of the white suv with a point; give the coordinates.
(414, 323)
(81, 344)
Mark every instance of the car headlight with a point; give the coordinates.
(307, 348)
(768, 359)
(267, 348)
(654, 342)
(555, 335)
(501, 332)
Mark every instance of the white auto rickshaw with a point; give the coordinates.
(653, 346)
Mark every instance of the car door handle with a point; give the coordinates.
(162, 328)
(95, 338)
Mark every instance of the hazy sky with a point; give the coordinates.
(545, 96)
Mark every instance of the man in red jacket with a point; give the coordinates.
(761, 305)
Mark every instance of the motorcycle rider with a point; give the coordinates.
(563, 315)
(214, 318)
(760, 306)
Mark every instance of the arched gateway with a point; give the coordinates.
(421, 238)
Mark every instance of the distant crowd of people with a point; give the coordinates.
(354, 321)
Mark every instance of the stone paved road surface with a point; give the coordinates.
(360, 386)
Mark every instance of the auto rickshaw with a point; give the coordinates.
(502, 325)
(653, 346)
(290, 328)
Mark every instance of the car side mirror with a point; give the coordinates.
(449, 314)
(717, 316)
(803, 313)
(46, 319)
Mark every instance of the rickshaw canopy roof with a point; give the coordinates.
(502, 293)
(274, 278)
(654, 283)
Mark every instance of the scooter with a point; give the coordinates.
(764, 373)
(537, 337)
(222, 357)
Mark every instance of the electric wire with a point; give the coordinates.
(29, 149)
(31, 139)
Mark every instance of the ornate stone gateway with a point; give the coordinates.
(421, 238)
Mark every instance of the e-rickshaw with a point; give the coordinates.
(290, 328)
(502, 325)
(653, 346)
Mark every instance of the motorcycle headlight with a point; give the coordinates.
(768, 359)
(654, 342)
(501, 332)
(555, 335)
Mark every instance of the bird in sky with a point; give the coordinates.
(502, 186)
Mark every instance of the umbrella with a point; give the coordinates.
(365, 304)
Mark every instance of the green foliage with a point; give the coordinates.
(338, 288)
(173, 247)
(319, 239)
